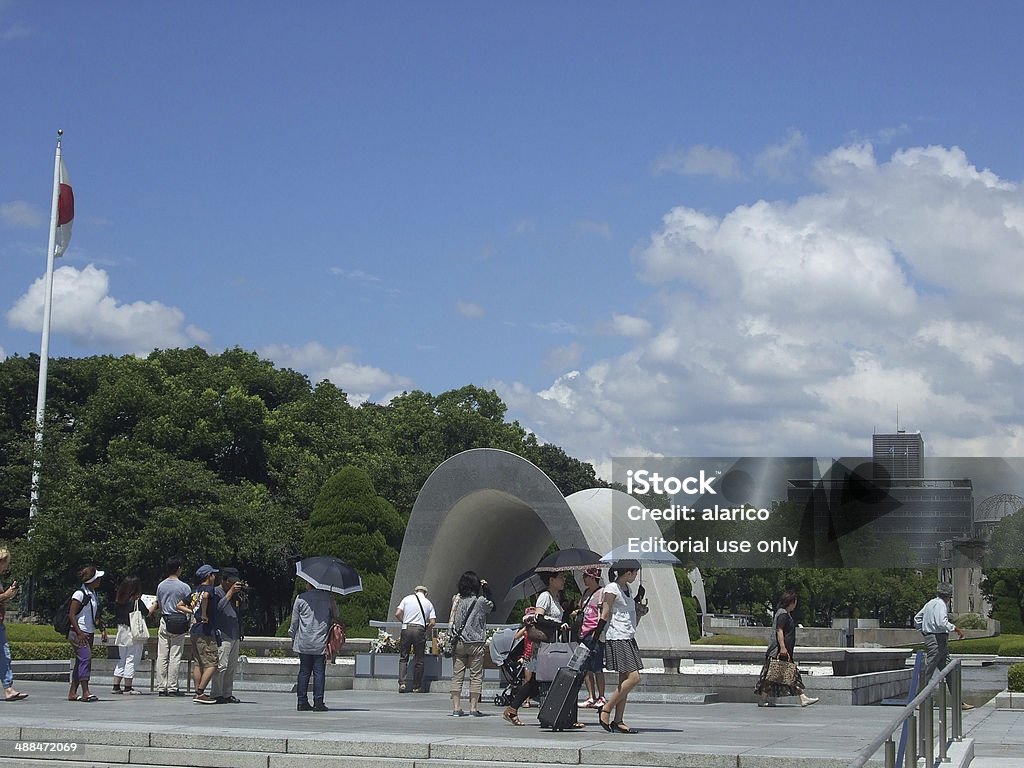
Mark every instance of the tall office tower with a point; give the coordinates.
(900, 453)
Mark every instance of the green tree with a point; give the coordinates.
(351, 522)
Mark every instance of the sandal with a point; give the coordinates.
(606, 724)
(90, 698)
(623, 728)
(577, 726)
(16, 696)
(512, 716)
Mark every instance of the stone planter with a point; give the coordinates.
(386, 665)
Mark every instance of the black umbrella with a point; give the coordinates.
(526, 585)
(330, 574)
(574, 559)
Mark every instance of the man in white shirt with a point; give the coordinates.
(417, 615)
(933, 621)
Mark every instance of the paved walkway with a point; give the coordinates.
(741, 734)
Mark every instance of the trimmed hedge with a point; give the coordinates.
(731, 640)
(32, 633)
(1015, 678)
(42, 651)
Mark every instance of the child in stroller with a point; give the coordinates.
(509, 650)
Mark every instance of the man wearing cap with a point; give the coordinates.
(933, 621)
(228, 597)
(204, 628)
(417, 615)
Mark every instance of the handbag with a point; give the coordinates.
(448, 649)
(137, 623)
(781, 671)
(176, 623)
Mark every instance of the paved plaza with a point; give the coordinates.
(388, 727)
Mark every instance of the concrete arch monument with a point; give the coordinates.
(495, 513)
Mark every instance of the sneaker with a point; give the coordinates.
(458, 713)
(964, 706)
(162, 693)
(203, 698)
(304, 706)
(116, 691)
(401, 687)
(806, 701)
(321, 707)
(588, 704)
(601, 701)
(132, 692)
(476, 713)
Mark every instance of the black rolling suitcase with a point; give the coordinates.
(558, 712)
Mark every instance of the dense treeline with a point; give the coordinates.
(230, 460)
(221, 459)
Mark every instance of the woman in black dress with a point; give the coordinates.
(782, 645)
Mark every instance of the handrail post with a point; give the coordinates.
(929, 731)
(958, 704)
(943, 721)
(890, 753)
(910, 756)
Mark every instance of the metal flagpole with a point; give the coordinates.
(44, 351)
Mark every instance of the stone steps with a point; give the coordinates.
(163, 749)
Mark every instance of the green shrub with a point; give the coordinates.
(732, 640)
(970, 621)
(1012, 646)
(32, 633)
(1015, 678)
(975, 645)
(36, 651)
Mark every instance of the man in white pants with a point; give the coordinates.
(172, 595)
(229, 630)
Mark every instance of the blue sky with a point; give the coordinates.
(659, 228)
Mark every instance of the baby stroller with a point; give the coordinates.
(507, 654)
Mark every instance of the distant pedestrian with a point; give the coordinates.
(6, 669)
(418, 618)
(312, 614)
(127, 601)
(172, 599)
(84, 615)
(782, 645)
(468, 619)
(933, 622)
(620, 611)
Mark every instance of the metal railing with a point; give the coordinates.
(918, 737)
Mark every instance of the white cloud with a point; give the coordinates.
(356, 275)
(783, 160)
(795, 327)
(699, 160)
(18, 213)
(629, 325)
(469, 309)
(561, 358)
(360, 382)
(84, 311)
(590, 228)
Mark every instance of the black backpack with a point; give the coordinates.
(61, 618)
